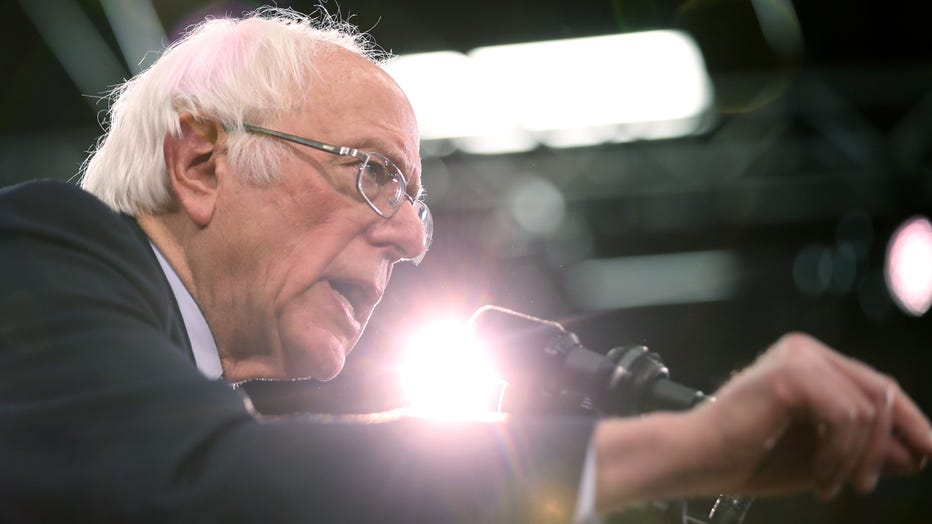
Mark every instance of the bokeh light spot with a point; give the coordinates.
(538, 206)
(908, 267)
(812, 269)
(844, 268)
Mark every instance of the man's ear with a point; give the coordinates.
(191, 161)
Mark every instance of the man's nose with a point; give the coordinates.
(404, 232)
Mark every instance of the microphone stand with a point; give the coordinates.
(554, 372)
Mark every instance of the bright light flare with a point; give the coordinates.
(561, 93)
(651, 76)
(909, 266)
(447, 373)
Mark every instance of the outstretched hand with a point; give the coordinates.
(804, 416)
(801, 417)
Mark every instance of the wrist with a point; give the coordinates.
(650, 458)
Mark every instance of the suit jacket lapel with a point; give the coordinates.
(178, 331)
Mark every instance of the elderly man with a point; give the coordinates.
(268, 177)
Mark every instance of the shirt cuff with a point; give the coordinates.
(585, 499)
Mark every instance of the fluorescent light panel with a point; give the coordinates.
(561, 93)
(677, 278)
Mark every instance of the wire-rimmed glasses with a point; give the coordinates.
(379, 181)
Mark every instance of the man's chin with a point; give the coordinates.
(314, 346)
(319, 363)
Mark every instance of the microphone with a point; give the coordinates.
(554, 372)
(549, 370)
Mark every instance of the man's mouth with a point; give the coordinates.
(359, 297)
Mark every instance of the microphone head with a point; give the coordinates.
(526, 349)
(496, 322)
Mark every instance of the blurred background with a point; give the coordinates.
(768, 205)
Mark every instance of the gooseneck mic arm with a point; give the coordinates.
(549, 370)
(542, 358)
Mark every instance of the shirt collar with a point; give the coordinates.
(202, 340)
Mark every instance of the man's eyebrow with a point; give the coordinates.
(372, 145)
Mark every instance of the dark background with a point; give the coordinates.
(818, 150)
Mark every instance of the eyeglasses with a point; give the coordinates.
(378, 180)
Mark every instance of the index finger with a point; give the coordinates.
(909, 422)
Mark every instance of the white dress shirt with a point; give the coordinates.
(202, 340)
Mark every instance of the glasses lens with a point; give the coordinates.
(427, 220)
(381, 184)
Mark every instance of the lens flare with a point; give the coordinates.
(909, 266)
(447, 373)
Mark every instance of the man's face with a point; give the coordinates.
(302, 262)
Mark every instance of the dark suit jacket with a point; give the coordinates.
(104, 417)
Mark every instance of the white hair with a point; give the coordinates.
(234, 71)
